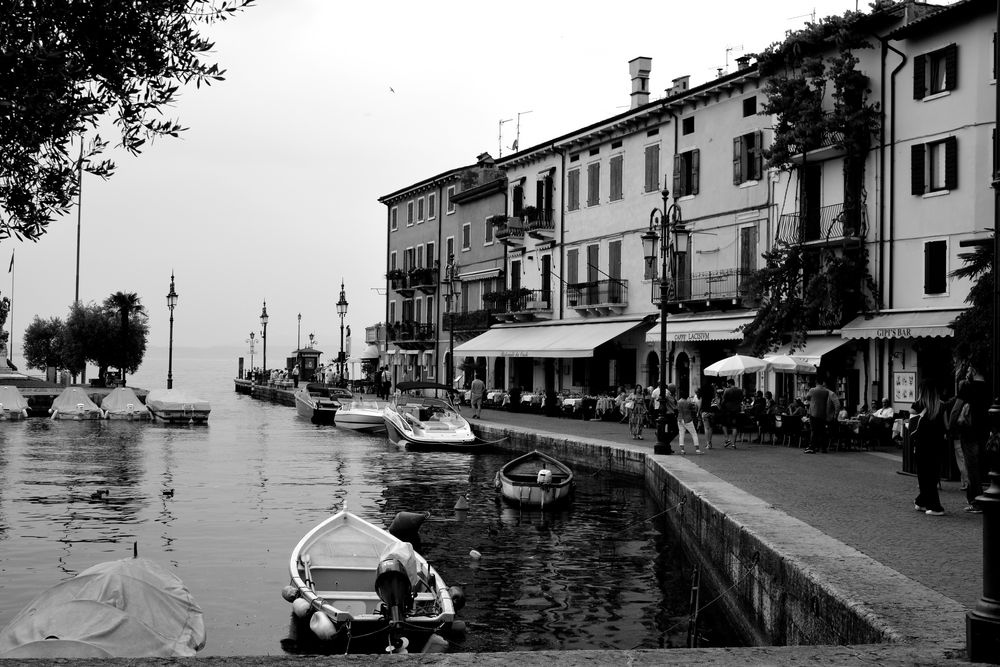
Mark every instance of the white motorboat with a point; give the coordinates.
(122, 403)
(174, 406)
(359, 414)
(74, 403)
(13, 404)
(427, 422)
(317, 408)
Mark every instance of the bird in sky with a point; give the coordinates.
(391, 90)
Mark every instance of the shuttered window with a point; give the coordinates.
(432, 206)
(572, 266)
(594, 184)
(517, 201)
(935, 267)
(935, 72)
(616, 177)
(652, 168)
(593, 257)
(686, 168)
(934, 166)
(748, 157)
(573, 187)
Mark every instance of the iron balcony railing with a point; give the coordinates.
(706, 286)
(610, 292)
(475, 320)
(408, 330)
(518, 301)
(829, 223)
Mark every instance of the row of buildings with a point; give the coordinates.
(530, 269)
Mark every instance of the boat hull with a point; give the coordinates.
(522, 482)
(361, 415)
(317, 410)
(179, 416)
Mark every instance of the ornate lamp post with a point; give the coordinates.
(982, 624)
(664, 224)
(171, 304)
(341, 311)
(251, 354)
(298, 345)
(451, 277)
(263, 335)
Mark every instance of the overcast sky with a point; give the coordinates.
(272, 192)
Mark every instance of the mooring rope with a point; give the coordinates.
(656, 516)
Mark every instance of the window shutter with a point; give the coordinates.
(573, 183)
(677, 175)
(695, 162)
(652, 168)
(540, 195)
(594, 184)
(993, 146)
(616, 177)
(758, 156)
(951, 163)
(951, 67)
(547, 205)
(919, 83)
(518, 201)
(737, 162)
(917, 169)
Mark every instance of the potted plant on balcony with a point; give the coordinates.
(497, 220)
(530, 214)
(396, 277)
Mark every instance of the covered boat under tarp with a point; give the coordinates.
(131, 608)
(122, 403)
(175, 406)
(73, 403)
(13, 404)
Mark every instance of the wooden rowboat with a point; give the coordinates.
(352, 579)
(535, 480)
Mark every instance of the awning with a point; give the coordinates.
(814, 349)
(371, 352)
(479, 274)
(910, 324)
(548, 340)
(702, 326)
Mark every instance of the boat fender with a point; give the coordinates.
(290, 593)
(458, 627)
(475, 555)
(406, 525)
(398, 647)
(435, 644)
(462, 503)
(457, 597)
(322, 626)
(544, 476)
(301, 607)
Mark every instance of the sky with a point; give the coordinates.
(271, 194)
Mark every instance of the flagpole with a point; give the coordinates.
(10, 341)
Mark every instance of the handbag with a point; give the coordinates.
(629, 405)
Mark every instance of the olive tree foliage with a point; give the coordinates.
(43, 343)
(68, 67)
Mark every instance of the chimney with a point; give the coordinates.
(638, 69)
(742, 62)
(678, 85)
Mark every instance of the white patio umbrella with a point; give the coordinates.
(738, 364)
(788, 363)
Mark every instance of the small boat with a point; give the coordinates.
(535, 480)
(122, 403)
(131, 608)
(13, 404)
(425, 422)
(73, 403)
(173, 406)
(317, 408)
(358, 584)
(358, 414)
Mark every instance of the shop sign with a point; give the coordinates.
(901, 332)
(691, 336)
(513, 353)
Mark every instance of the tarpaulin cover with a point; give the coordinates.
(12, 399)
(407, 557)
(69, 400)
(175, 399)
(127, 608)
(122, 401)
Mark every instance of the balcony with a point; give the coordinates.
(510, 232)
(410, 335)
(539, 224)
(466, 325)
(520, 305)
(829, 225)
(713, 289)
(598, 296)
(423, 279)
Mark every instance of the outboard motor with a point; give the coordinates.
(544, 476)
(392, 584)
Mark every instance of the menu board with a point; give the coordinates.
(904, 387)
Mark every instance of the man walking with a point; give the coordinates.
(819, 400)
(732, 405)
(478, 391)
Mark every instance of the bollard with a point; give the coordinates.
(982, 624)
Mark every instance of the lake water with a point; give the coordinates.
(599, 574)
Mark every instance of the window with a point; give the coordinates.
(409, 213)
(392, 311)
(543, 199)
(409, 259)
(935, 267)
(420, 257)
(430, 309)
(934, 166)
(935, 72)
(449, 246)
(488, 235)
(687, 125)
(420, 210)
(748, 157)
(466, 236)
(652, 168)
(431, 205)
(593, 184)
(572, 266)
(449, 193)
(573, 185)
(430, 254)
(418, 310)
(616, 177)
(517, 201)
(515, 275)
(392, 260)
(749, 106)
(394, 218)
(748, 251)
(593, 262)
(686, 167)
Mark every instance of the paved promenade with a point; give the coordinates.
(858, 498)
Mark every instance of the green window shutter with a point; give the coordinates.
(919, 82)
(917, 181)
(572, 266)
(573, 185)
(737, 160)
(678, 163)
(951, 163)
(695, 168)
(758, 156)
(594, 184)
(616, 178)
(951, 67)
(652, 168)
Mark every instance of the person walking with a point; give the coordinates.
(732, 405)
(928, 442)
(818, 406)
(637, 412)
(687, 415)
(973, 430)
(295, 375)
(478, 390)
(709, 409)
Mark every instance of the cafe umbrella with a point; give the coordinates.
(788, 364)
(738, 364)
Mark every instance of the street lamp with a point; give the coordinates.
(298, 345)
(251, 354)
(451, 277)
(342, 311)
(171, 304)
(668, 221)
(263, 335)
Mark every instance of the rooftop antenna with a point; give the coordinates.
(811, 15)
(517, 138)
(730, 49)
(500, 134)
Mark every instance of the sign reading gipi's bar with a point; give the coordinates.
(901, 332)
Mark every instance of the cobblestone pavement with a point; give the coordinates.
(858, 498)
